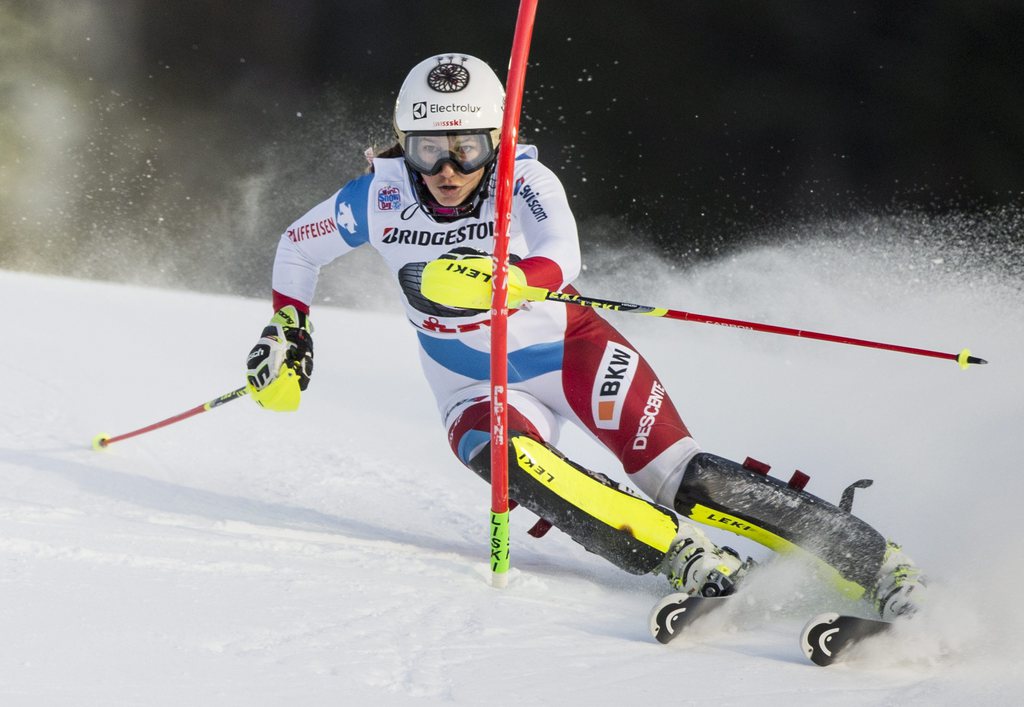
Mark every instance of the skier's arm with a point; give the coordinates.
(278, 368)
(327, 231)
(540, 206)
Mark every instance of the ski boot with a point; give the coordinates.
(698, 567)
(901, 586)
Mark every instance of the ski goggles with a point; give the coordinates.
(467, 151)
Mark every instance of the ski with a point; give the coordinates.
(675, 612)
(824, 639)
(828, 635)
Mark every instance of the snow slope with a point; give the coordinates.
(337, 555)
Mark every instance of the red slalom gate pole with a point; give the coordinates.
(499, 293)
(102, 441)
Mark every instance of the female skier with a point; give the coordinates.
(427, 206)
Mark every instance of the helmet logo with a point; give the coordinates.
(449, 77)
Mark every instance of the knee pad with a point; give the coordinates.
(469, 423)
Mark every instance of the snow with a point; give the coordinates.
(337, 555)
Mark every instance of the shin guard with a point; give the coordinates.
(721, 493)
(599, 514)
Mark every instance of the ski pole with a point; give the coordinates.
(103, 440)
(537, 294)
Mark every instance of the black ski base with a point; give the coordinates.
(675, 612)
(827, 636)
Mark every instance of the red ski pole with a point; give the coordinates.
(964, 357)
(103, 440)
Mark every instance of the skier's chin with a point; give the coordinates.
(449, 195)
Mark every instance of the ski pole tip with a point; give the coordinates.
(100, 441)
(965, 359)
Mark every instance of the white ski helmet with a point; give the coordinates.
(450, 93)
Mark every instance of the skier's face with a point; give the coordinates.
(451, 163)
(449, 187)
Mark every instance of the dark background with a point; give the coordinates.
(692, 127)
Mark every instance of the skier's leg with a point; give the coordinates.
(615, 394)
(603, 516)
(783, 517)
(611, 391)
